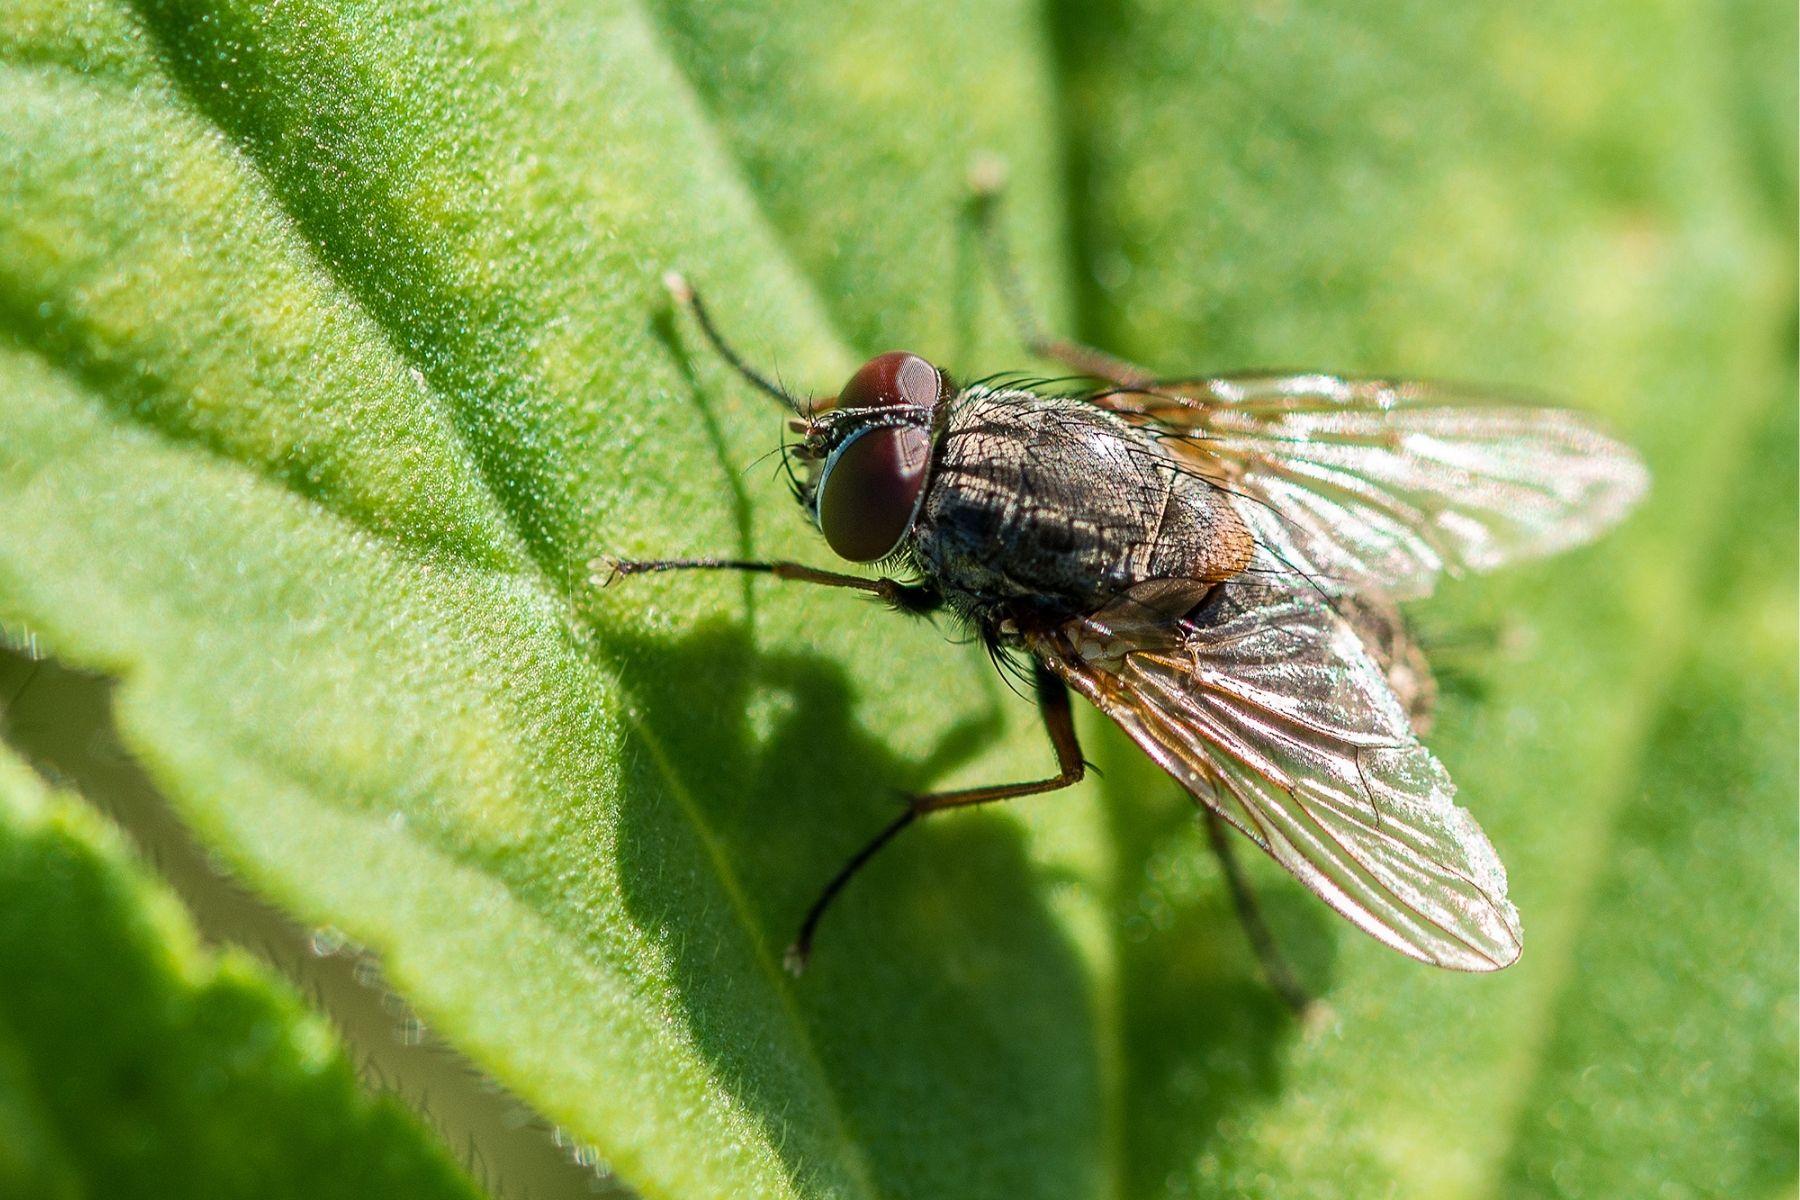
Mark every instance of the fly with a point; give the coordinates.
(1215, 564)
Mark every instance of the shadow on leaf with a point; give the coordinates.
(945, 1022)
(1203, 1035)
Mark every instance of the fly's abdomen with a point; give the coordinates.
(1059, 503)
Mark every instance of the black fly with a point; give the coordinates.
(1214, 564)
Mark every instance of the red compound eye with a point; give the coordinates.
(896, 378)
(871, 488)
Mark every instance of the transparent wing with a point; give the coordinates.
(1267, 707)
(1367, 482)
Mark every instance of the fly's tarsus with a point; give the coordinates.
(605, 570)
(907, 597)
(684, 294)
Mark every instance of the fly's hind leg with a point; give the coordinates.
(1276, 968)
(987, 179)
(1059, 722)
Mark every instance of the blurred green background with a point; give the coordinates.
(352, 842)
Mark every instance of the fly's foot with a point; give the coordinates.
(987, 174)
(1316, 1019)
(605, 570)
(679, 289)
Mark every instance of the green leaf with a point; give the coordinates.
(333, 350)
(1684, 952)
(131, 1057)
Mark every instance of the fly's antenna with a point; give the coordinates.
(684, 293)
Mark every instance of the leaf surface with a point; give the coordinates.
(333, 350)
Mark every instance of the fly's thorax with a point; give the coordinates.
(1054, 505)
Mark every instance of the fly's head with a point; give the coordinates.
(864, 456)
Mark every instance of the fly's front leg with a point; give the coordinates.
(1059, 721)
(908, 597)
(987, 180)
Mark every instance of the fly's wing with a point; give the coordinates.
(1382, 627)
(1375, 483)
(1266, 706)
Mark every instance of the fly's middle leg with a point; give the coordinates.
(1059, 721)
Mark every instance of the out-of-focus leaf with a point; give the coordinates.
(133, 1061)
